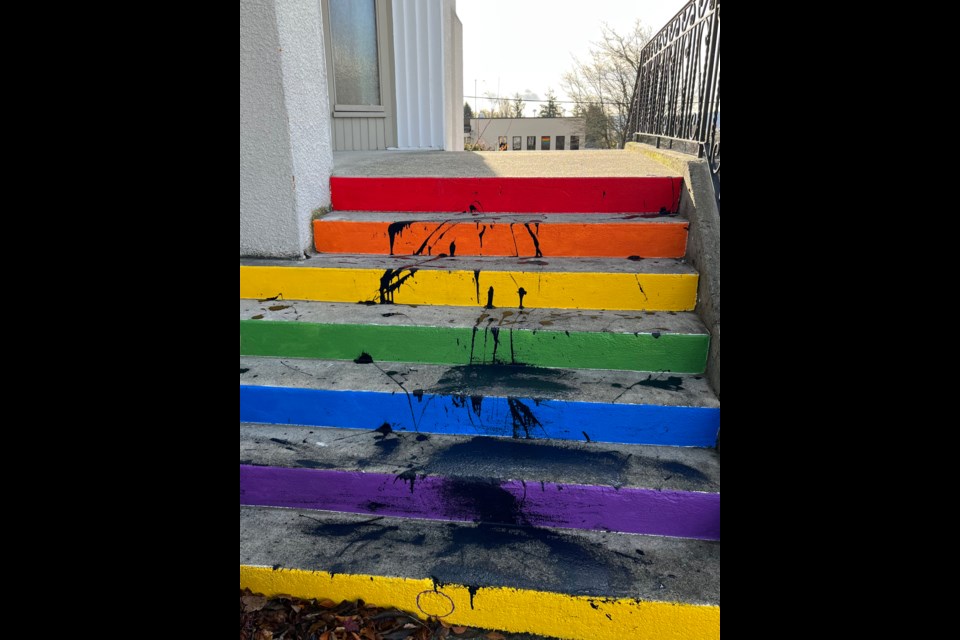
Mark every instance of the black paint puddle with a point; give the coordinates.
(503, 458)
(480, 500)
(672, 383)
(524, 381)
(313, 464)
(562, 562)
(364, 358)
(687, 472)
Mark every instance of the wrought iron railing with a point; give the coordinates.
(676, 100)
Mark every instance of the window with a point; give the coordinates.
(560, 143)
(356, 65)
(574, 143)
(531, 143)
(516, 143)
(545, 143)
(502, 143)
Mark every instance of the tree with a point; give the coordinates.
(606, 79)
(517, 106)
(467, 114)
(551, 109)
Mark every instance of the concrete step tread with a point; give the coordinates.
(584, 385)
(390, 217)
(481, 264)
(400, 315)
(558, 461)
(575, 562)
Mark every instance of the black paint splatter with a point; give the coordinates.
(476, 281)
(673, 383)
(521, 292)
(453, 248)
(634, 258)
(655, 334)
(364, 358)
(489, 298)
(585, 435)
(418, 394)
(390, 281)
(496, 342)
(396, 229)
(522, 418)
(482, 231)
(534, 237)
(407, 476)
(244, 370)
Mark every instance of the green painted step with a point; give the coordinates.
(625, 340)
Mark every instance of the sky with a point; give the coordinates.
(525, 46)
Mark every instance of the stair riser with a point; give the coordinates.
(477, 415)
(558, 290)
(517, 610)
(471, 238)
(511, 195)
(678, 514)
(461, 345)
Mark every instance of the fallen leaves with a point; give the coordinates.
(287, 618)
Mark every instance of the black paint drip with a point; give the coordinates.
(489, 298)
(408, 476)
(522, 417)
(476, 403)
(521, 292)
(476, 281)
(535, 238)
(453, 248)
(482, 231)
(496, 342)
(390, 281)
(364, 358)
(396, 229)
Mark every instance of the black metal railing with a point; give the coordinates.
(676, 99)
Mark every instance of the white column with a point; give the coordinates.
(429, 71)
(285, 134)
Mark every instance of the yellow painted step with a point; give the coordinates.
(570, 283)
(518, 610)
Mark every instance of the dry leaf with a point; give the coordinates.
(493, 635)
(327, 604)
(459, 630)
(253, 603)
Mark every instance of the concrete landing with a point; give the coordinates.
(493, 400)
(567, 584)
(597, 463)
(469, 164)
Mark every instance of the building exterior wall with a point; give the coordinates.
(285, 134)
(429, 74)
(488, 131)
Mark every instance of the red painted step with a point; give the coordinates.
(511, 195)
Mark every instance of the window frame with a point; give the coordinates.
(356, 110)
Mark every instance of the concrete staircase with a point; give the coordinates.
(474, 398)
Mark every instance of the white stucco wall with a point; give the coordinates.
(285, 134)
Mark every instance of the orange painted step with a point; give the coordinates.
(557, 235)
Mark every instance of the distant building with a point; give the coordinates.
(526, 134)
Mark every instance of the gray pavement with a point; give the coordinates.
(481, 263)
(587, 563)
(586, 385)
(595, 463)
(456, 317)
(474, 164)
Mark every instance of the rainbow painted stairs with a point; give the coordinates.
(480, 403)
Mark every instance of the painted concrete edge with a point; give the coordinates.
(507, 609)
(526, 418)
(677, 514)
(651, 351)
(698, 205)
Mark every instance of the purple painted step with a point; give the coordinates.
(682, 514)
